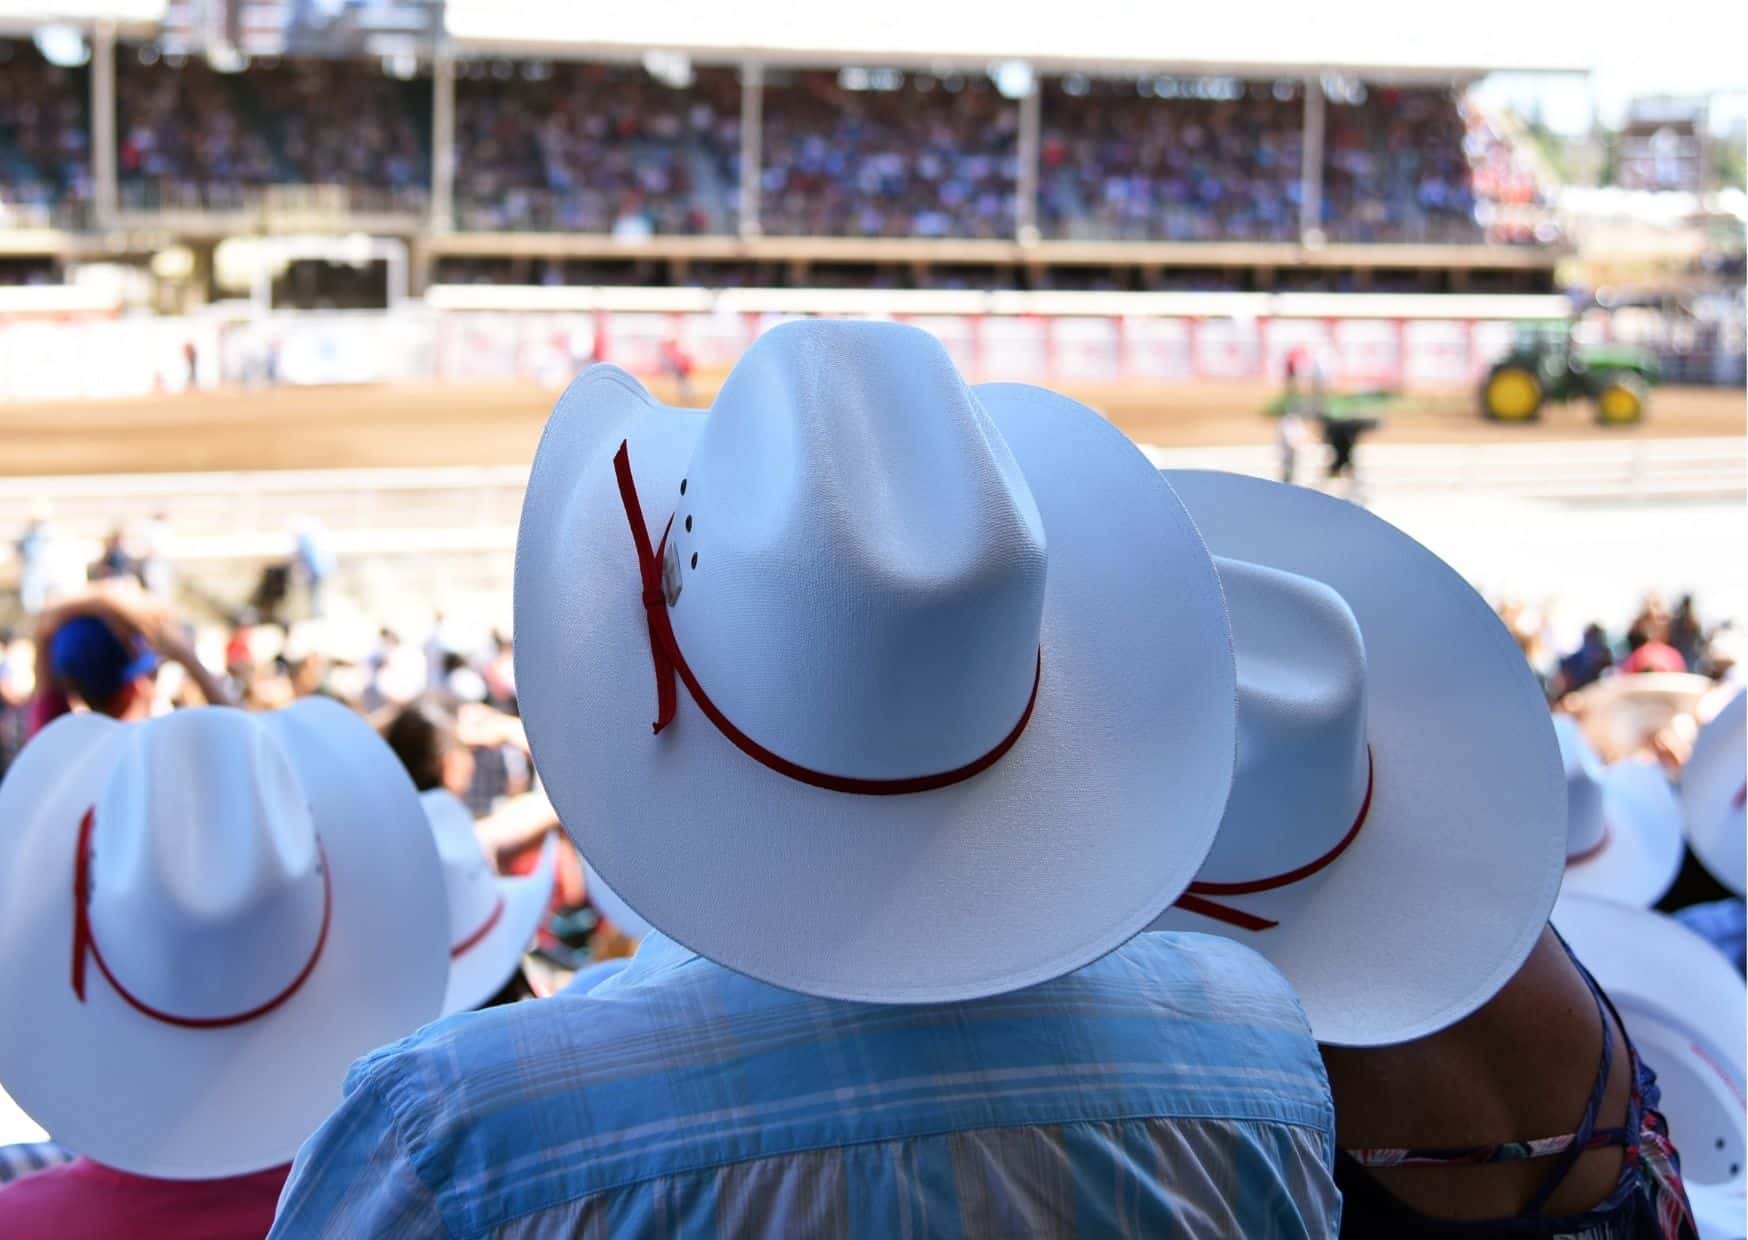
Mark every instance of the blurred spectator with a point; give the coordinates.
(1585, 664)
(104, 650)
(1655, 655)
(35, 564)
(1684, 632)
(1648, 639)
(153, 562)
(113, 561)
(315, 560)
(910, 156)
(595, 148)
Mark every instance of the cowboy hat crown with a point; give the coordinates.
(1302, 771)
(855, 566)
(205, 894)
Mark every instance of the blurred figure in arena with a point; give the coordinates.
(103, 650)
(677, 365)
(155, 571)
(113, 562)
(35, 571)
(1290, 432)
(315, 560)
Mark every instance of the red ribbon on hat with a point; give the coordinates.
(1579, 858)
(473, 940)
(1193, 903)
(664, 652)
(85, 944)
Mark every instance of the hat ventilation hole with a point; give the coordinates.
(682, 486)
(694, 559)
(688, 525)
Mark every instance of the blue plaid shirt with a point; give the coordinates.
(1171, 1088)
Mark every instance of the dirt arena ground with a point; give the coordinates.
(433, 424)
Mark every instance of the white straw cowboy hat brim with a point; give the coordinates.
(1042, 846)
(1714, 788)
(1442, 874)
(1683, 1005)
(1640, 851)
(608, 903)
(492, 918)
(154, 1097)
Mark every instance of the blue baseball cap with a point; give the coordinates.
(97, 664)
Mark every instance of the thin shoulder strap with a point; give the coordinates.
(1568, 1158)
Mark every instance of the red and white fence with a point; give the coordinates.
(499, 333)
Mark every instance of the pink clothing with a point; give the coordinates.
(85, 1200)
(1655, 657)
(49, 704)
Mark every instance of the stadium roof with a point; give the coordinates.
(1256, 36)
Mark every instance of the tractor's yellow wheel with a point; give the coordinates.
(1620, 402)
(1512, 394)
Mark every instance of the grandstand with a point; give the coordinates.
(509, 156)
(511, 190)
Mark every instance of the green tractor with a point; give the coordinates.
(1546, 364)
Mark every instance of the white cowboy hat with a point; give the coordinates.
(957, 701)
(1683, 1006)
(1623, 823)
(264, 905)
(491, 919)
(1624, 711)
(1397, 826)
(612, 906)
(1714, 785)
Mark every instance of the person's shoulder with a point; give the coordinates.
(1207, 967)
(413, 1074)
(515, 1047)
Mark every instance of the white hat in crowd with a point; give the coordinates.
(1397, 828)
(940, 676)
(204, 919)
(1682, 1004)
(492, 919)
(1623, 823)
(1714, 787)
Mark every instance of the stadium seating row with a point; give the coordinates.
(590, 148)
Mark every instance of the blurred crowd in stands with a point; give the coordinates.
(595, 148)
(45, 142)
(856, 152)
(931, 157)
(1116, 161)
(1394, 168)
(301, 123)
